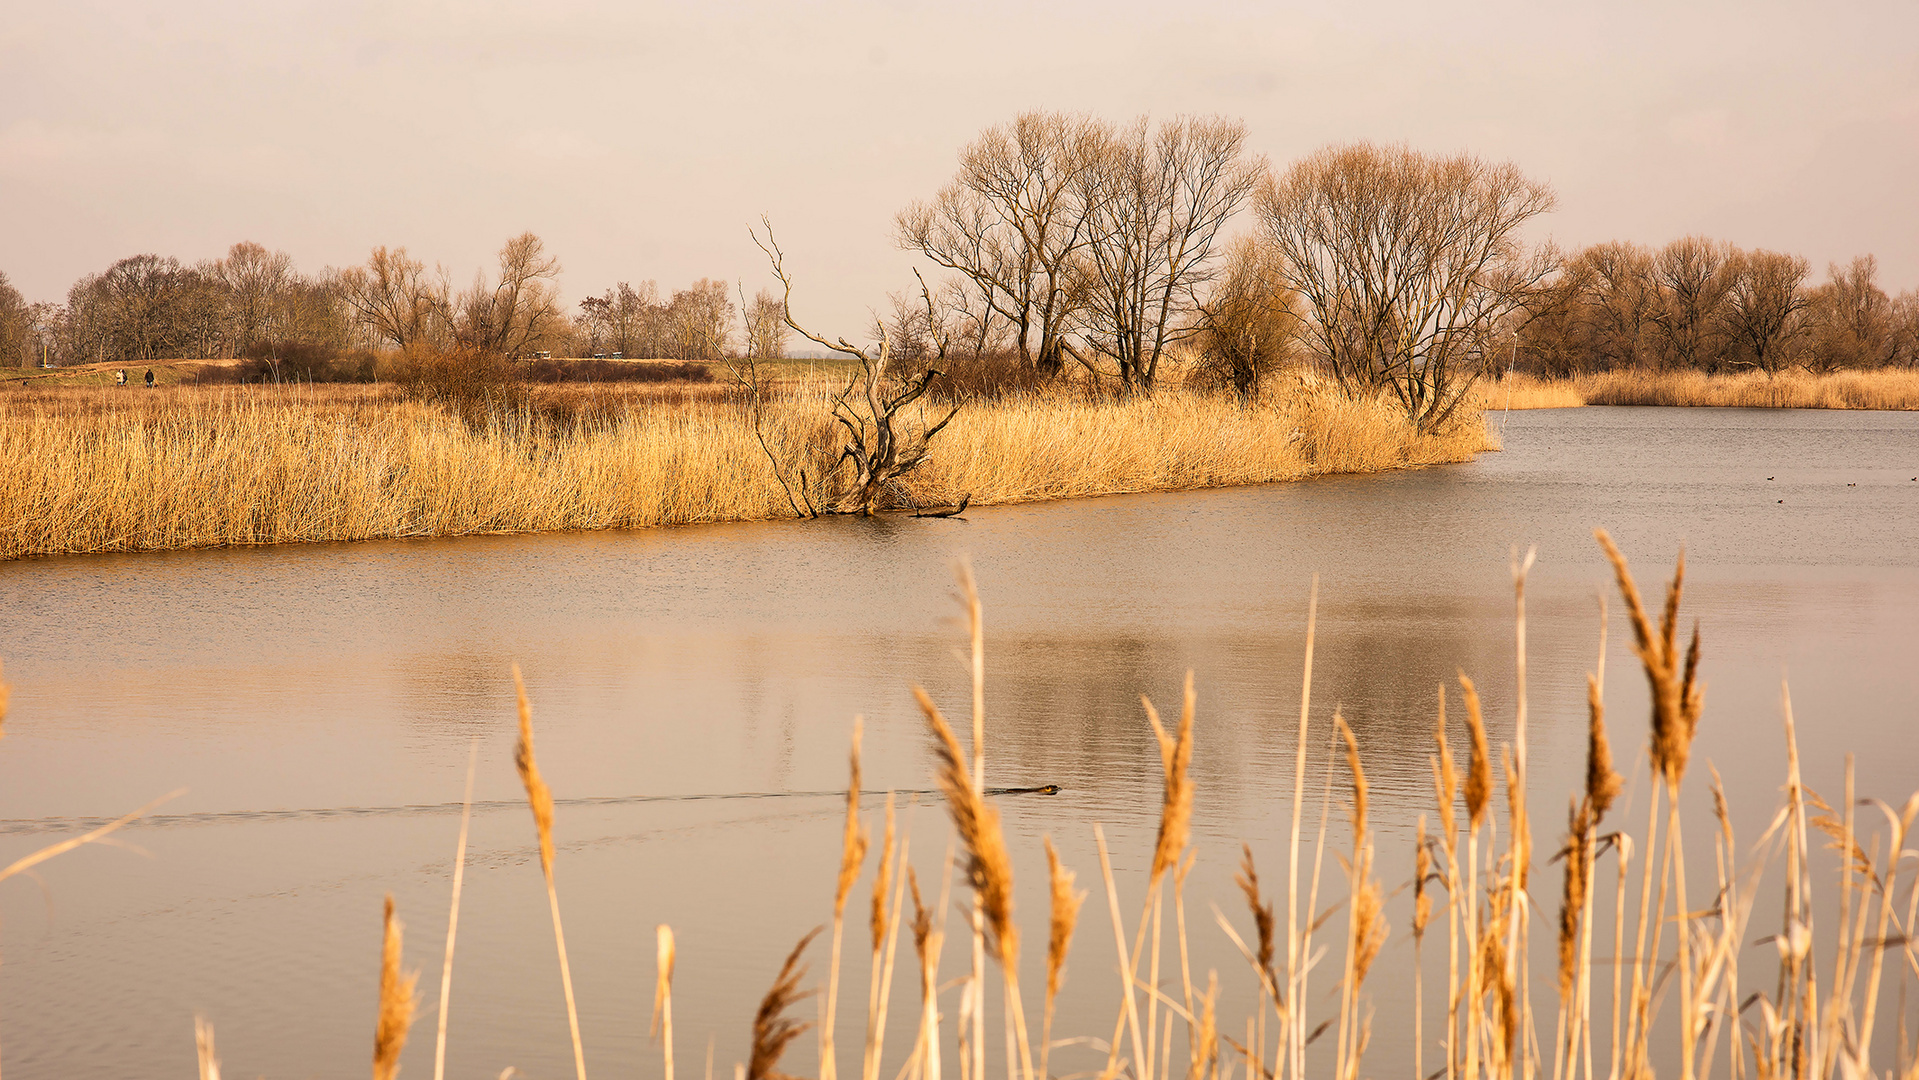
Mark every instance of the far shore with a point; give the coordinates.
(1883, 388)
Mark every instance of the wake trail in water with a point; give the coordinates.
(35, 826)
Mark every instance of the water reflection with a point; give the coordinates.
(731, 659)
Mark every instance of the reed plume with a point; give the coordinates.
(1367, 927)
(772, 1028)
(203, 1048)
(662, 1024)
(1064, 916)
(882, 880)
(396, 1002)
(1247, 877)
(1479, 767)
(540, 799)
(988, 867)
(1603, 784)
(1176, 803)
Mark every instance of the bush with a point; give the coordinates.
(992, 376)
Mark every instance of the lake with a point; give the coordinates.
(318, 703)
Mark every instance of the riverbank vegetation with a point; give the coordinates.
(1879, 388)
(184, 466)
(1789, 954)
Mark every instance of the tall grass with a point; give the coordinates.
(1885, 388)
(86, 471)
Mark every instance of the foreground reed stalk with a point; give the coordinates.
(540, 798)
(453, 916)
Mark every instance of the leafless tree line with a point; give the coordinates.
(253, 303)
(694, 324)
(1700, 304)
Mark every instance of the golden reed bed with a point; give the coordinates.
(1896, 389)
(128, 470)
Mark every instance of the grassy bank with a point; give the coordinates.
(1882, 389)
(115, 470)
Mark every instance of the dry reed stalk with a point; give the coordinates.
(1519, 943)
(772, 1028)
(1366, 923)
(1478, 795)
(204, 1049)
(989, 871)
(396, 1001)
(1129, 1004)
(878, 925)
(540, 799)
(888, 928)
(1446, 787)
(662, 1024)
(852, 858)
(453, 913)
(1063, 917)
(1175, 827)
(1293, 1037)
(1422, 914)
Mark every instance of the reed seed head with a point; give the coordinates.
(1176, 806)
(1422, 872)
(1577, 885)
(988, 867)
(1248, 879)
(1446, 776)
(204, 1048)
(853, 847)
(1359, 777)
(772, 1028)
(1603, 784)
(396, 1002)
(1479, 770)
(1065, 916)
(882, 880)
(538, 796)
(663, 986)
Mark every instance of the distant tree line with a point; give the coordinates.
(254, 304)
(1071, 240)
(1704, 305)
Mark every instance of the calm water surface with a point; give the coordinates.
(315, 701)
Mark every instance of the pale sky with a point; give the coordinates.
(641, 139)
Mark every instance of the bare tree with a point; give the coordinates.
(1851, 320)
(1157, 202)
(520, 308)
(879, 446)
(256, 282)
(1695, 275)
(393, 299)
(699, 322)
(1246, 325)
(1406, 264)
(15, 325)
(1013, 223)
(1763, 305)
(766, 332)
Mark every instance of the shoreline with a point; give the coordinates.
(185, 468)
(1884, 389)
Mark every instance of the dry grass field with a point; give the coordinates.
(1883, 389)
(126, 469)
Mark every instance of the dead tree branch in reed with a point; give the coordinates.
(746, 373)
(879, 445)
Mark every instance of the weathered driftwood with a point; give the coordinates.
(880, 447)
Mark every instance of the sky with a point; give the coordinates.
(641, 140)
